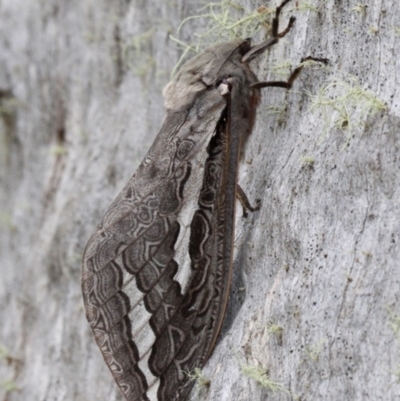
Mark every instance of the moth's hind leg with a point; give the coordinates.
(244, 200)
(288, 84)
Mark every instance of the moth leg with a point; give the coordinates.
(275, 22)
(261, 47)
(288, 84)
(244, 201)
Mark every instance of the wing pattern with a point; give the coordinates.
(156, 272)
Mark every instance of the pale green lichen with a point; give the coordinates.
(308, 160)
(274, 329)
(313, 64)
(59, 150)
(225, 21)
(394, 322)
(9, 386)
(284, 68)
(307, 6)
(360, 8)
(9, 105)
(261, 376)
(4, 354)
(314, 351)
(346, 105)
(198, 376)
(279, 112)
(373, 29)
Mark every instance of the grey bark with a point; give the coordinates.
(315, 298)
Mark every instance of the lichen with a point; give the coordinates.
(198, 376)
(344, 104)
(224, 21)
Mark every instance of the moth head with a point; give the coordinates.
(204, 71)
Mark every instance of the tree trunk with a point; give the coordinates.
(315, 310)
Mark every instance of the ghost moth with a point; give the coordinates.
(156, 273)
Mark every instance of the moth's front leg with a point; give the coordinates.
(288, 84)
(276, 35)
(244, 201)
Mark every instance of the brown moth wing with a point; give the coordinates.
(156, 272)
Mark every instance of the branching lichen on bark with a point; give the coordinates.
(344, 104)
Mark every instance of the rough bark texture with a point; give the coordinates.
(315, 299)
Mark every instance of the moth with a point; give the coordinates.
(156, 273)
